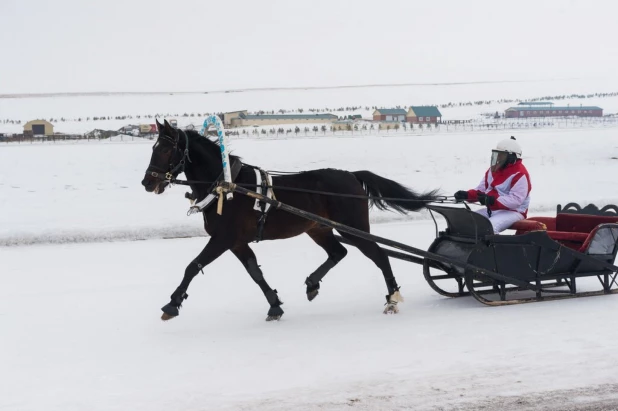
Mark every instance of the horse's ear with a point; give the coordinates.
(158, 124)
(166, 128)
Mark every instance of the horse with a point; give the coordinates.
(176, 151)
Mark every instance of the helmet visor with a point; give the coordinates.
(498, 158)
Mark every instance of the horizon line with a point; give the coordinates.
(256, 89)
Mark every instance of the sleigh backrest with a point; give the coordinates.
(581, 223)
(576, 219)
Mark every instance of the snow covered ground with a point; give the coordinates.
(81, 330)
(92, 191)
(80, 298)
(80, 317)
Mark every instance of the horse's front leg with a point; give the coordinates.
(246, 256)
(210, 253)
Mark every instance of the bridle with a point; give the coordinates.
(172, 171)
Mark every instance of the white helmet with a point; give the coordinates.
(510, 149)
(510, 145)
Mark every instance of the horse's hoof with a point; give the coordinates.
(169, 312)
(391, 309)
(391, 303)
(274, 314)
(312, 294)
(312, 289)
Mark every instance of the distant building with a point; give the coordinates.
(415, 114)
(390, 114)
(243, 119)
(38, 128)
(423, 115)
(128, 129)
(227, 118)
(148, 129)
(547, 109)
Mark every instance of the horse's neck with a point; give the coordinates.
(203, 167)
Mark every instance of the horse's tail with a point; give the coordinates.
(377, 188)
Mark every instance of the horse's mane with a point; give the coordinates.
(213, 148)
(207, 144)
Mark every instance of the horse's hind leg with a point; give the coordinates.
(376, 254)
(355, 213)
(210, 253)
(325, 238)
(246, 256)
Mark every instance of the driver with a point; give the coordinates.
(505, 188)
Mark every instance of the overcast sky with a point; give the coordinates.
(195, 45)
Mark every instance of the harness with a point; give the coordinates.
(263, 183)
(172, 170)
(203, 205)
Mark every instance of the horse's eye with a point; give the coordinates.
(167, 150)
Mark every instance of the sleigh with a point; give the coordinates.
(542, 260)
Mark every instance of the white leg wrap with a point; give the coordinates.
(391, 306)
(396, 297)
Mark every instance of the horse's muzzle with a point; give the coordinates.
(149, 184)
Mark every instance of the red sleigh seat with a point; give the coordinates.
(572, 230)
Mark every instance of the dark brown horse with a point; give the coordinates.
(176, 151)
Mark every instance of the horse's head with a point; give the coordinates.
(169, 154)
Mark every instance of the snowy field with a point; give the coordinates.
(92, 192)
(174, 105)
(80, 322)
(88, 257)
(81, 330)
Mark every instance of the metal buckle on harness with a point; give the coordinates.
(168, 176)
